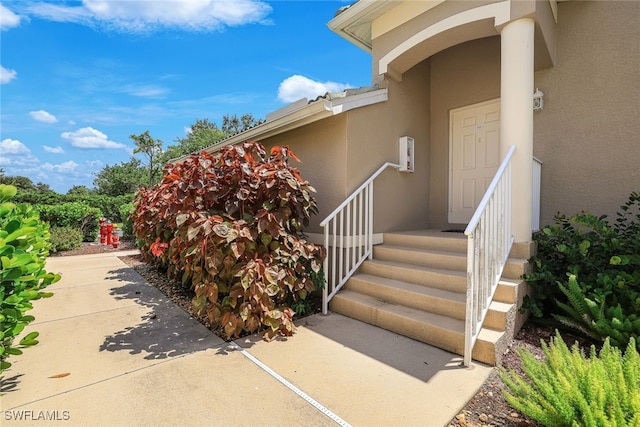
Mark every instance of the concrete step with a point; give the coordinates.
(433, 300)
(457, 261)
(434, 329)
(437, 278)
(450, 280)
(428, 239)
(422, 257)
(416, 283)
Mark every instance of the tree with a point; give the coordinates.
(41, 187)
(232, 125)
(120, 179)
(203, 134)
(22, 183)
(81, 190)
(151, 148)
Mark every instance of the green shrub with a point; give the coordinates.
(230, 226)
(568, 389)
(108, 205)
(603, 259)
(23, 251)
(65, 239)
(73, 214)
(127, 223)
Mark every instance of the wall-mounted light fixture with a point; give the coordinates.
(538, 101)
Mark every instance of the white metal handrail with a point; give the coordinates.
(348, 237)
(489, 241)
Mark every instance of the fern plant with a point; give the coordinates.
(569, 389)
(594, 320)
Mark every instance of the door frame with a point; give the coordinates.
(450, 174)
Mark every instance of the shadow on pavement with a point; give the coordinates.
(414, 358)
(165, 331)
(9, 384)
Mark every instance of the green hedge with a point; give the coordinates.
(74, 214)
(110, 206)
(127, 223)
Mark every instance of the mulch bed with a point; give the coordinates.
(97, 248)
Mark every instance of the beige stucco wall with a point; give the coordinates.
(462, 75)
(321, 148)
(588, 134)
(373, 133)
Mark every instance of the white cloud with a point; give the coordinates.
(90, 138)
(53, 150)
(6, 75)
(17, 160)
(8, 19)
(66, 167)
(144, 16)
(296, 87)
(13, 146)
(14, 153)
(43, 116)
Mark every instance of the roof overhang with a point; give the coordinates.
(301, 113)
(354, 22)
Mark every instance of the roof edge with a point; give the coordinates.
(359, 13)
(299, 116)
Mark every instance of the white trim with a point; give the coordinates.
(342, 105)
(501, 12)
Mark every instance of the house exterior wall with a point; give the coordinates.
(321, 148)
(373, 132)
(588, 135)
(462, 75)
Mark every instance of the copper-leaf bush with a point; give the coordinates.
(230, 226)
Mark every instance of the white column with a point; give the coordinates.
(516, 117)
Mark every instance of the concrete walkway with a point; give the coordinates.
(114, 351)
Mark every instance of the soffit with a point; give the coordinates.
(354, 22)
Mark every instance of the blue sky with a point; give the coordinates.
(78, 77)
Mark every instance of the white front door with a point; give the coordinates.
(474, 147)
